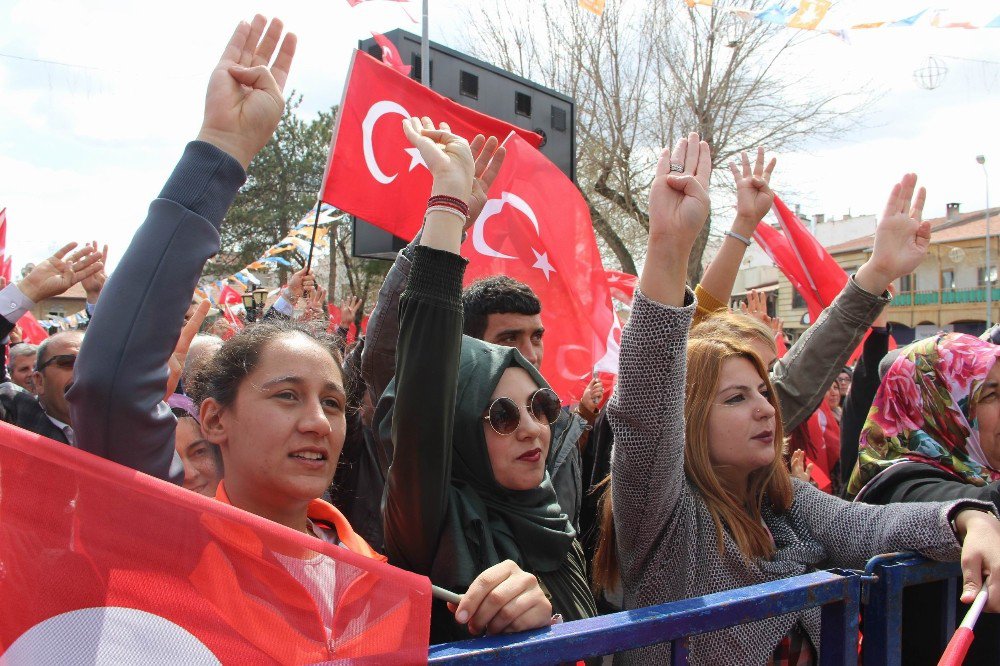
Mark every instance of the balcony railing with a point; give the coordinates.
(944, 297)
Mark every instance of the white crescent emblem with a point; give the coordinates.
(378, 110)
(492, 207)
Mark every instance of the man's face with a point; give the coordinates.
(523, 332)
(52, 381)
(21, 373)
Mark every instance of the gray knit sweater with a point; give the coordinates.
(667, 544)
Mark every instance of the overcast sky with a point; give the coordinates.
(84, 149)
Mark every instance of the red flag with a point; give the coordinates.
(622, 285)
(536, 228)
(7, 266)
(390, 55)
(105, 564)
(822, 271)
(31, 330)
(5, 261)
(780, 250)
(229, 296)
(373, 171)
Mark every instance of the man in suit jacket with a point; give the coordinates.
(48, 415)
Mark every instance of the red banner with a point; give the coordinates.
(373, 171)
(536, 228)
(102, 564)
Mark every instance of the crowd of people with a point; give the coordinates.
(722, 459)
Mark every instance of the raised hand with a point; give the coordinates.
(799, 469)
(753, 191)
(301, 281)
(901, 238)
(592, 395)
(315, 304)
(92, 284)
(60, 272)
(678, 200)
(448, 156)
(175, 365)
(349, 310)
(244, 101)
(678, 210)
(489, 158)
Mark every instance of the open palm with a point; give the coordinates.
(678, 202)
(753, 192)
(244, 101)
(448, 156)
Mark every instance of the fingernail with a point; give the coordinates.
(462, 616)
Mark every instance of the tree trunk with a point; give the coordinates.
(694, 268)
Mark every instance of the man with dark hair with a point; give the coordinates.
(506, 312)
(48, 415)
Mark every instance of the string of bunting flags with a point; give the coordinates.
(294, 246)
(812, 15)
(65, 323)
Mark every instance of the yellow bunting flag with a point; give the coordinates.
(596, 6)
(810, 13)
(692, 3)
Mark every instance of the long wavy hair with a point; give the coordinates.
(739, 516)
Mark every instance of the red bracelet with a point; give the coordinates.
(450, 202)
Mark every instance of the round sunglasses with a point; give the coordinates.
(504, 415)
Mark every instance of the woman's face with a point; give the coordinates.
(988, 417)
(741, 423)
(518, 459)
(281, 438)
(201, 474)
(833, 395)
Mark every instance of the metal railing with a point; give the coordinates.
(838, 594)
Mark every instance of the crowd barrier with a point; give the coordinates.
(877, 591)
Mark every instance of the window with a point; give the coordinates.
(558, 119)
(415, 64)
(907, 283)
(981, 275)
(468, 85)
(797, 301)
(522, 104)
(375, 51)
(948, 279)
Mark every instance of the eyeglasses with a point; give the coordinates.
(504, 415)
(64, 361)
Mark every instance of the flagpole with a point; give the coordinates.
(312, 239)
(425, 52)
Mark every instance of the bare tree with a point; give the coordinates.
(644, 73)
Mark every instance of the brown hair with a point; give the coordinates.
(735, 325)
(742, 520)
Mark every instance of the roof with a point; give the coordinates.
(943, 230)
(76, 291)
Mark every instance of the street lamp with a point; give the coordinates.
(253, 303)
(981, 160)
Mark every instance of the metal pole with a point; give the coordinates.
(981, 159)
(425, 52)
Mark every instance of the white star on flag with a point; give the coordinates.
(415, 159)
(543, 263)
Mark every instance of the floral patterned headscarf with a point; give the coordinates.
(925, 411)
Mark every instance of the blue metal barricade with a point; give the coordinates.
(838, 594)
(882, 602)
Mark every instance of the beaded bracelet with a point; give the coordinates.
(451, 202)
(448, 209)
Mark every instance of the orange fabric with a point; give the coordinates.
(320, 510)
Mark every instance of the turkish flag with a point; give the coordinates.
(824, 274)
(781, 252)
(102, 564)
(229, 296)
(390, 55)
(622, 285)
(373, 172)
(31, 330)
(536, 228)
